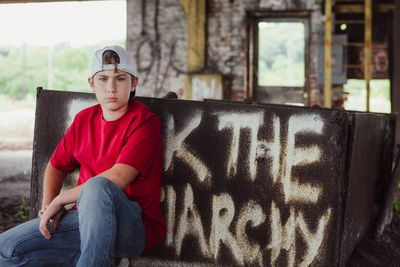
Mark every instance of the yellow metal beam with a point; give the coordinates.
(360, 8)
(328, 54)
(349, 9)
(368, 47)
(195, 17)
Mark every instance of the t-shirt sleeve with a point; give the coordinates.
(143, 145)
(63, 158)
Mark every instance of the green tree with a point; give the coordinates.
(19, 76)
(281, 53)
(71, 70)
(24, 68)
(74, 59)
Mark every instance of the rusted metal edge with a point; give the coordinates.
(34, 191)
(387, 208)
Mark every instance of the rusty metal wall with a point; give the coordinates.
(260, 185)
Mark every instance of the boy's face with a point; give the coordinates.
(112, 89)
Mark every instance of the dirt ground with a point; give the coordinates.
(15, 176)
(12, 212)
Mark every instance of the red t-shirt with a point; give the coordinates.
(134, 139)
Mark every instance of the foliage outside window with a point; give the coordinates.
(281, 56)
(357, 95)
(62, 67)
(51, 44)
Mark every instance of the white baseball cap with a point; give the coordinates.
(126, 62)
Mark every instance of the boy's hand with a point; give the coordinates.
(41, 212)
(52, 213)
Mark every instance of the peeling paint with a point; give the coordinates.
(75, 106)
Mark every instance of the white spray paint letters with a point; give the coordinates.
(230, 222)
(75, 106)
(293, 156)
(174, 145)
(236, 122)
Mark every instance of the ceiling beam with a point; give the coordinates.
(359, 8)
(38, 1)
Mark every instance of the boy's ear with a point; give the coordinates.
(91, 83)
(135, 81)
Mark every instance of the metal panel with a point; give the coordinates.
(251, 184)
(54, 112)
(242, 184)
(369, 164)
(395, 79)
(339, 54)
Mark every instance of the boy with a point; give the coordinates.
(118, 146)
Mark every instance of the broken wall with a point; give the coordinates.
(157, 37)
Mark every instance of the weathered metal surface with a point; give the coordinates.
(248, 184)
(55, 111)
(387, 184)
(369, 169)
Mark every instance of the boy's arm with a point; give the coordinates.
(54, 210)
(53, 204)
(53, 201)
(120, 174)
(52, 183)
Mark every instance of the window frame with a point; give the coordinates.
(281, 94)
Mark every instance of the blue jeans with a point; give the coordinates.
(107, 224)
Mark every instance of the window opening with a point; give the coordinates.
(356, 95)
(281, 60)
(278, 57)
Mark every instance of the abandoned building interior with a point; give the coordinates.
(180, 49)
(272, 85)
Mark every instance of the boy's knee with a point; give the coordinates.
(96, 189)
(10, 251)
(97, 182)
(5, 252)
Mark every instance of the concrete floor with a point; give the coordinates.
(15, 173)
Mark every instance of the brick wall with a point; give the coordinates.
(157, 37)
